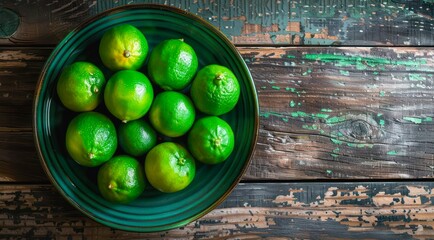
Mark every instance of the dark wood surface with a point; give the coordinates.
(296, 22)
(252, 211)
(345, 145)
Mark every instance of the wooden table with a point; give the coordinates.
(346, 139)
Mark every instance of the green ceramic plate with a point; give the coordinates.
(153, 211)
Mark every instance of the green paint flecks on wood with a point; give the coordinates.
(382, 93)
(413, 119)
(360, 145)
(379, 114)
(321, 115)
(291, 89)
(326, 110)
(416, 77)
(345, 73)
(292, 104)
(382, 122)
(309, 71)
(265, 114)
(313, 127)
(362, 63)
(417, 120)
(290, 56)
(334, 155)
(335, 141)
(393, 152)
(300, 114)
(268, 114)
(329, 171)
(275, 87)
(336, 119)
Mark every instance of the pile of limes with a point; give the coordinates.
(147, 117)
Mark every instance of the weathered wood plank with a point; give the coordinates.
(343, 112)
(19, 72)
(252, 211)
(18, 159)
(295, 22)
(339, 113)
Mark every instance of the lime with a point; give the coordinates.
(121, 179)
(123, 47)
(211, 140)
(215, 90)
(136, 137)
(80, 86)
(172, 113)
(128, 95)
(172, 64)
(91, 139)
(169, 167)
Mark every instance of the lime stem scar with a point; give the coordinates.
(217, 142)
(181, 161)
(218, 78)
(95, 89)
(112, 185)
(127, 54)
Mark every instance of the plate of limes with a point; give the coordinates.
(145, 117)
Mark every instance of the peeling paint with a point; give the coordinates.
(335, 141)
(413, 119)
(362, 62)
(393, 152)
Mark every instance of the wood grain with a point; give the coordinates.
(343, 112)
(252, 211)
(295, 22)
(325, 113)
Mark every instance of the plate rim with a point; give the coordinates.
(36, 135)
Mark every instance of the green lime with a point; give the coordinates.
(123, 47)
(80, 86)
(91, 139)
(121, 179)
(215, 90)
(128, 95)
(169, 167)
(136, 137)
(211, 140)
(172, 64)
(172, 113)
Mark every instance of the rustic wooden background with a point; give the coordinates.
(346, 137)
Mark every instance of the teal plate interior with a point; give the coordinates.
(153, 211)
